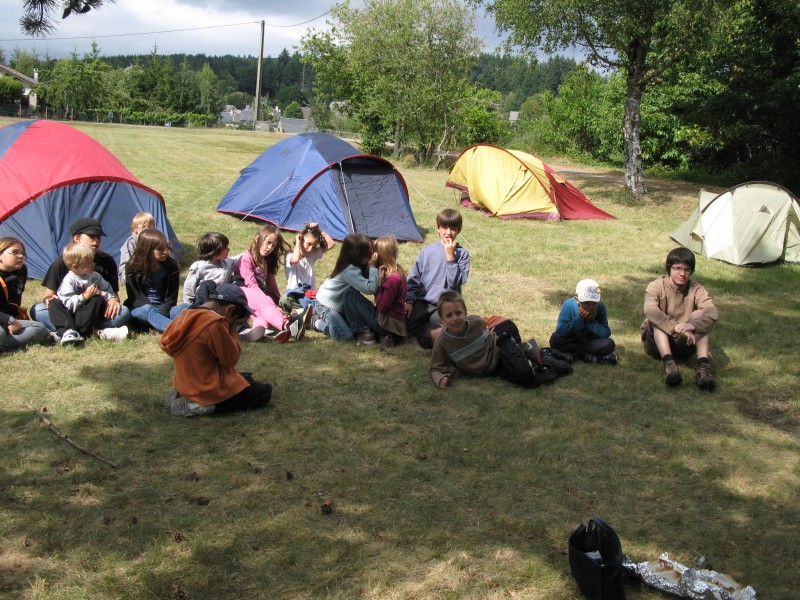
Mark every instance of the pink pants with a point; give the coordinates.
(267, 313)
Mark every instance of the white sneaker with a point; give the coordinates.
(113, 334)
(71, 337)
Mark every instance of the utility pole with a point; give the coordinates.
(258, 79)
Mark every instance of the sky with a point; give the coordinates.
(210, 27)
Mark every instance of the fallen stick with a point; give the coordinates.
(55, 430)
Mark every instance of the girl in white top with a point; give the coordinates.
(309, 246)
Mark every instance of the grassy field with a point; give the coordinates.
(469, 493)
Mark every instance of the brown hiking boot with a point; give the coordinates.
(672, 376)
(703, 377)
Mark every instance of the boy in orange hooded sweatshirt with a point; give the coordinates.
(203, 343)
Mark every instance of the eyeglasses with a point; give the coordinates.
(18, 253)
(678, 269)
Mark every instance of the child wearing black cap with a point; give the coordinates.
(86, 231)
(205, 349)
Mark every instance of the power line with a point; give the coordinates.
(116, 35)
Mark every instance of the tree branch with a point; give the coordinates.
(55, 431)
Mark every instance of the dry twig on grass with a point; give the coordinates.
(55, 430)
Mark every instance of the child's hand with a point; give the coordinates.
(587, 314)
(449, 248)
(373, 261)
(298, 239)
(444, 382)
(409, 307)
(382, 270)
(14, 327)
(90, 292)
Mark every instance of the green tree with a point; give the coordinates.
(402, 67)
(293, 110)
(210, 101)
(10, 89)
(640, 39)
(77, 85)
(38, 17)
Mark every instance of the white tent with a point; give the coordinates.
(751, 223)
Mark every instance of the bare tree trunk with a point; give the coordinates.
(632, 120)
(398, 145)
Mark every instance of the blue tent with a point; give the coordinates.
(316, 177)
(51, 174)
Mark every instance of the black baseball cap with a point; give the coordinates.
(232, 294)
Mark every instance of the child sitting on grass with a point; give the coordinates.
(679, 316)
(212, 264)
(152, 280)
(582, 330)
(341, 310)
(309, 246)
(440, 267)
(82, 298)
(391, 295)
(257, 268)
(204, 346)
(140, 222)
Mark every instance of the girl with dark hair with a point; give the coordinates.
(151, 279)
(212, 264)
(342, 312)
(16, 328)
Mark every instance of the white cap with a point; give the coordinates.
(588, 290)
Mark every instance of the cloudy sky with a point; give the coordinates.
(211, 27)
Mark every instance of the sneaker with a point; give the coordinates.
(297, 324)
(366, 338)
(704, 378)
(672, 376)
(607, 359)
(113, 334)
(532, 352)
(589, 358)
(182, 407)
(254, 334)
(71, 337)
(279, 337)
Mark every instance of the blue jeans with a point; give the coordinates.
(151, 315)
(360, 316)
(40, 313)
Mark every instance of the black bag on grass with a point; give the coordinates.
(595, 559)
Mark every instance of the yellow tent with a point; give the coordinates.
(514, 185)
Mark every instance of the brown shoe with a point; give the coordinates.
(704, 378)
(672, 376)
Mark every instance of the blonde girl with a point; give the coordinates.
(152, 280)
(16, 328)
(390, 299)
(257, 268)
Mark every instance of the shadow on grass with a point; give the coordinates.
(424, 487)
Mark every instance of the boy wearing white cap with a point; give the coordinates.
(582, 328)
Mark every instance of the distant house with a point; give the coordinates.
(29, 84)
(287, 125)
(231, 115)
(513, 117)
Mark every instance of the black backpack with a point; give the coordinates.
(595, 559)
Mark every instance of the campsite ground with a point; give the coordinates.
(363, 480)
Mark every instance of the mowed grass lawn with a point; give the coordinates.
(467, 493)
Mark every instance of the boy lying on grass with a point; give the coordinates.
(466, 343)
